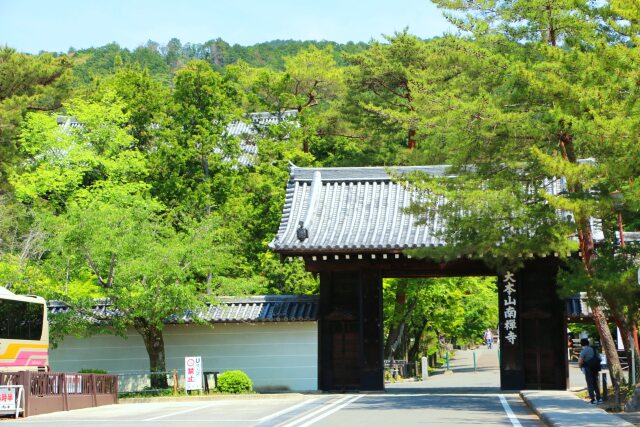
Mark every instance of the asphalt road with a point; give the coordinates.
(421, 409)
(413, 408)
(466, 397)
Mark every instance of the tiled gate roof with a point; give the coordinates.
(361, 209)
(347, 209)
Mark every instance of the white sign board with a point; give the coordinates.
(193, 373)
(10, 398)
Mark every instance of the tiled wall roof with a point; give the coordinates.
(276, 308)
(267, 308)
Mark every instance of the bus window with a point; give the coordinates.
(20, 320)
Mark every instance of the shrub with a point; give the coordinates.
(234, 382)
(92, 371)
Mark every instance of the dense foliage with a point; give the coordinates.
(419, 313)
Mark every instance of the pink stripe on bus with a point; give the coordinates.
(25, 359)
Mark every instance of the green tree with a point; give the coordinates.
(27, 83)
(380, 97)
(310, 83)
(541, 102)
(146, 103)
(106, 236)
(172, 52)
(254, 209)
(97, 62)
(193, 164)
(138, 265)
(21, 248)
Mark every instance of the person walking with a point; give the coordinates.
(488, 338)
(589, 361)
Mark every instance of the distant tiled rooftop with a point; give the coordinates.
(258, 122)
(247, 130)
(66, 121)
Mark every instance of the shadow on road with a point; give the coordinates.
(458, 390)
(453, 401)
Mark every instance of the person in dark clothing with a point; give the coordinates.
(590, 374)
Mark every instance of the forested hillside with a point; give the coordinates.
(143, 202)
(163, 60)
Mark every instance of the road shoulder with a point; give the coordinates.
(564, 409)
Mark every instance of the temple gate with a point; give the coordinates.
(350, 227)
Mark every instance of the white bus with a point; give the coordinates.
(24, 332)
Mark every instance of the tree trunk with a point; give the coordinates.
(154, 343)
(401, 314)
(209, 278)
(415, 348)
(205, 166)
(411, 143)
(396, 320)
(393, 339)
(585, 239)
(606, 339)
(618, 319)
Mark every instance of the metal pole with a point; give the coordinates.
(621, 227)
(474, 361)
(633, 364)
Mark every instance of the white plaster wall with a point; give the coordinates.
(278, 355)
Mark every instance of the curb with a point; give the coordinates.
(559, 410)
(543, 417)
(209, 397)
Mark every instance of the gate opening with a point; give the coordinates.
(434, 317)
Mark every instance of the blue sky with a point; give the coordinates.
(35, 25)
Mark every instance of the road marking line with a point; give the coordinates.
(318, 411)
(183, 412)
(509, 412)
(285, 410)
(326, 414)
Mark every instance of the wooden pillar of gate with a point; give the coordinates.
(532, 329)
(350, 341)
